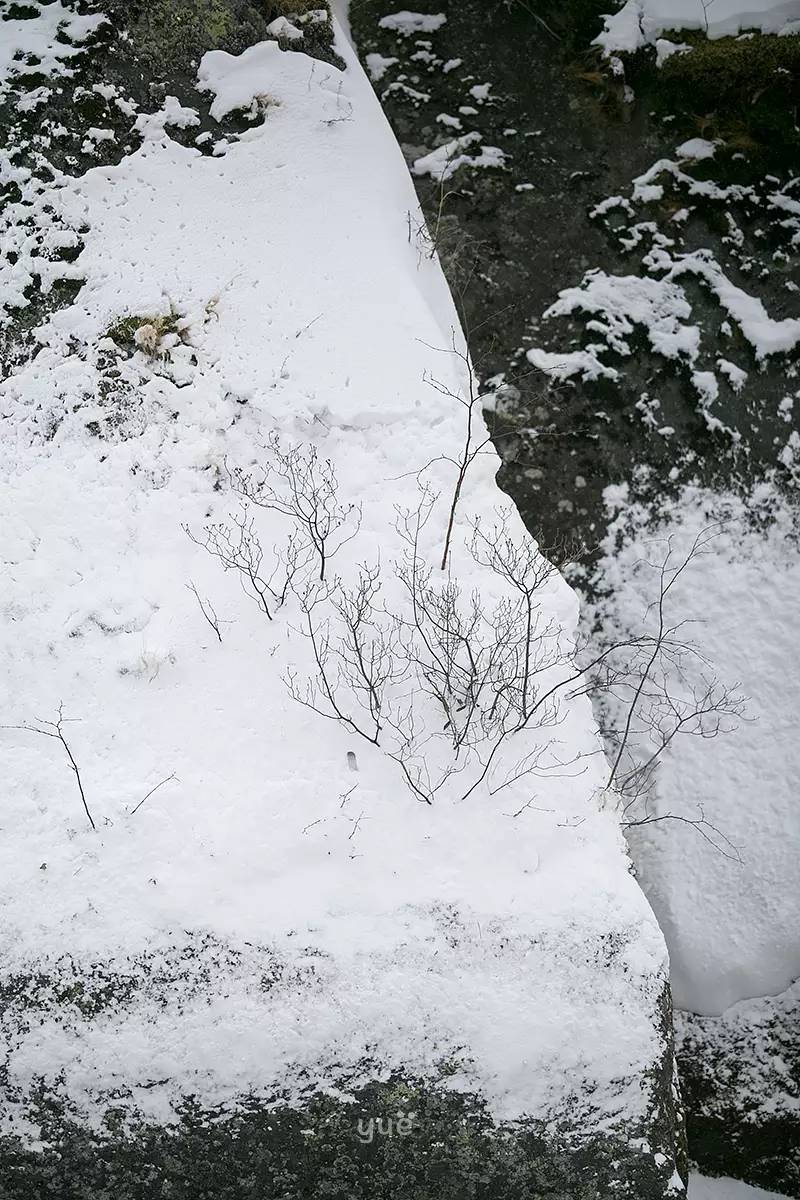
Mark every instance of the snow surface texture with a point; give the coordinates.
(731, 926)
(639, 22)
(702, 1188)
(352, 929)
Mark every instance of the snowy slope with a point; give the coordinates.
(275, 916)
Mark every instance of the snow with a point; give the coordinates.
(400, 935)
(153, 125)
(736, 377)
(378, 65)
(563, 365)
(619, 303)
(665, 49)
(766, 335)
(408, 23)
(704, 1188)
(52, 38)
(731, 926)
(657, 302)
(640, 22)
(696, 148)
(283, 28)
(239, 81)
(443, 162)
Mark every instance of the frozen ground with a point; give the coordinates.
(264, 906)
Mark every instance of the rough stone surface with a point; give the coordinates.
(448, 1148)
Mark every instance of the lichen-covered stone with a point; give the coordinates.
(398, 1139)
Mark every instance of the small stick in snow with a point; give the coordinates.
(54, 729)
(356, 824)
(207, 609)
(153, 789)
(345, 796)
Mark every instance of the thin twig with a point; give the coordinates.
(153, 789)
(207, 609)
(55, 730)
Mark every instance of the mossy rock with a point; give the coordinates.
(171, 36)
(733, 72)
(743, 88)
(449, 1146)
(740, 90)
(398, 1138)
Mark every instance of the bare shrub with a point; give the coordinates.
(444, 683)
(438, 682)
(55, 729)
(445, 686)
(235, 544)
(652, 690)
(300, 485)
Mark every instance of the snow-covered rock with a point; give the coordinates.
(640, 22)
(242, 898)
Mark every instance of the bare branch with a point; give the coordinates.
(147, 795)
(300, 485)
(207, 609)
(55, 729)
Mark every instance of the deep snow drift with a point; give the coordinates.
(728, 905)
(275, 908)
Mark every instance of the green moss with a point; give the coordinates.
(170, 36)
(290, 8)
(741, 91)
(731, 72)
(150, 328)
(317, 35)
